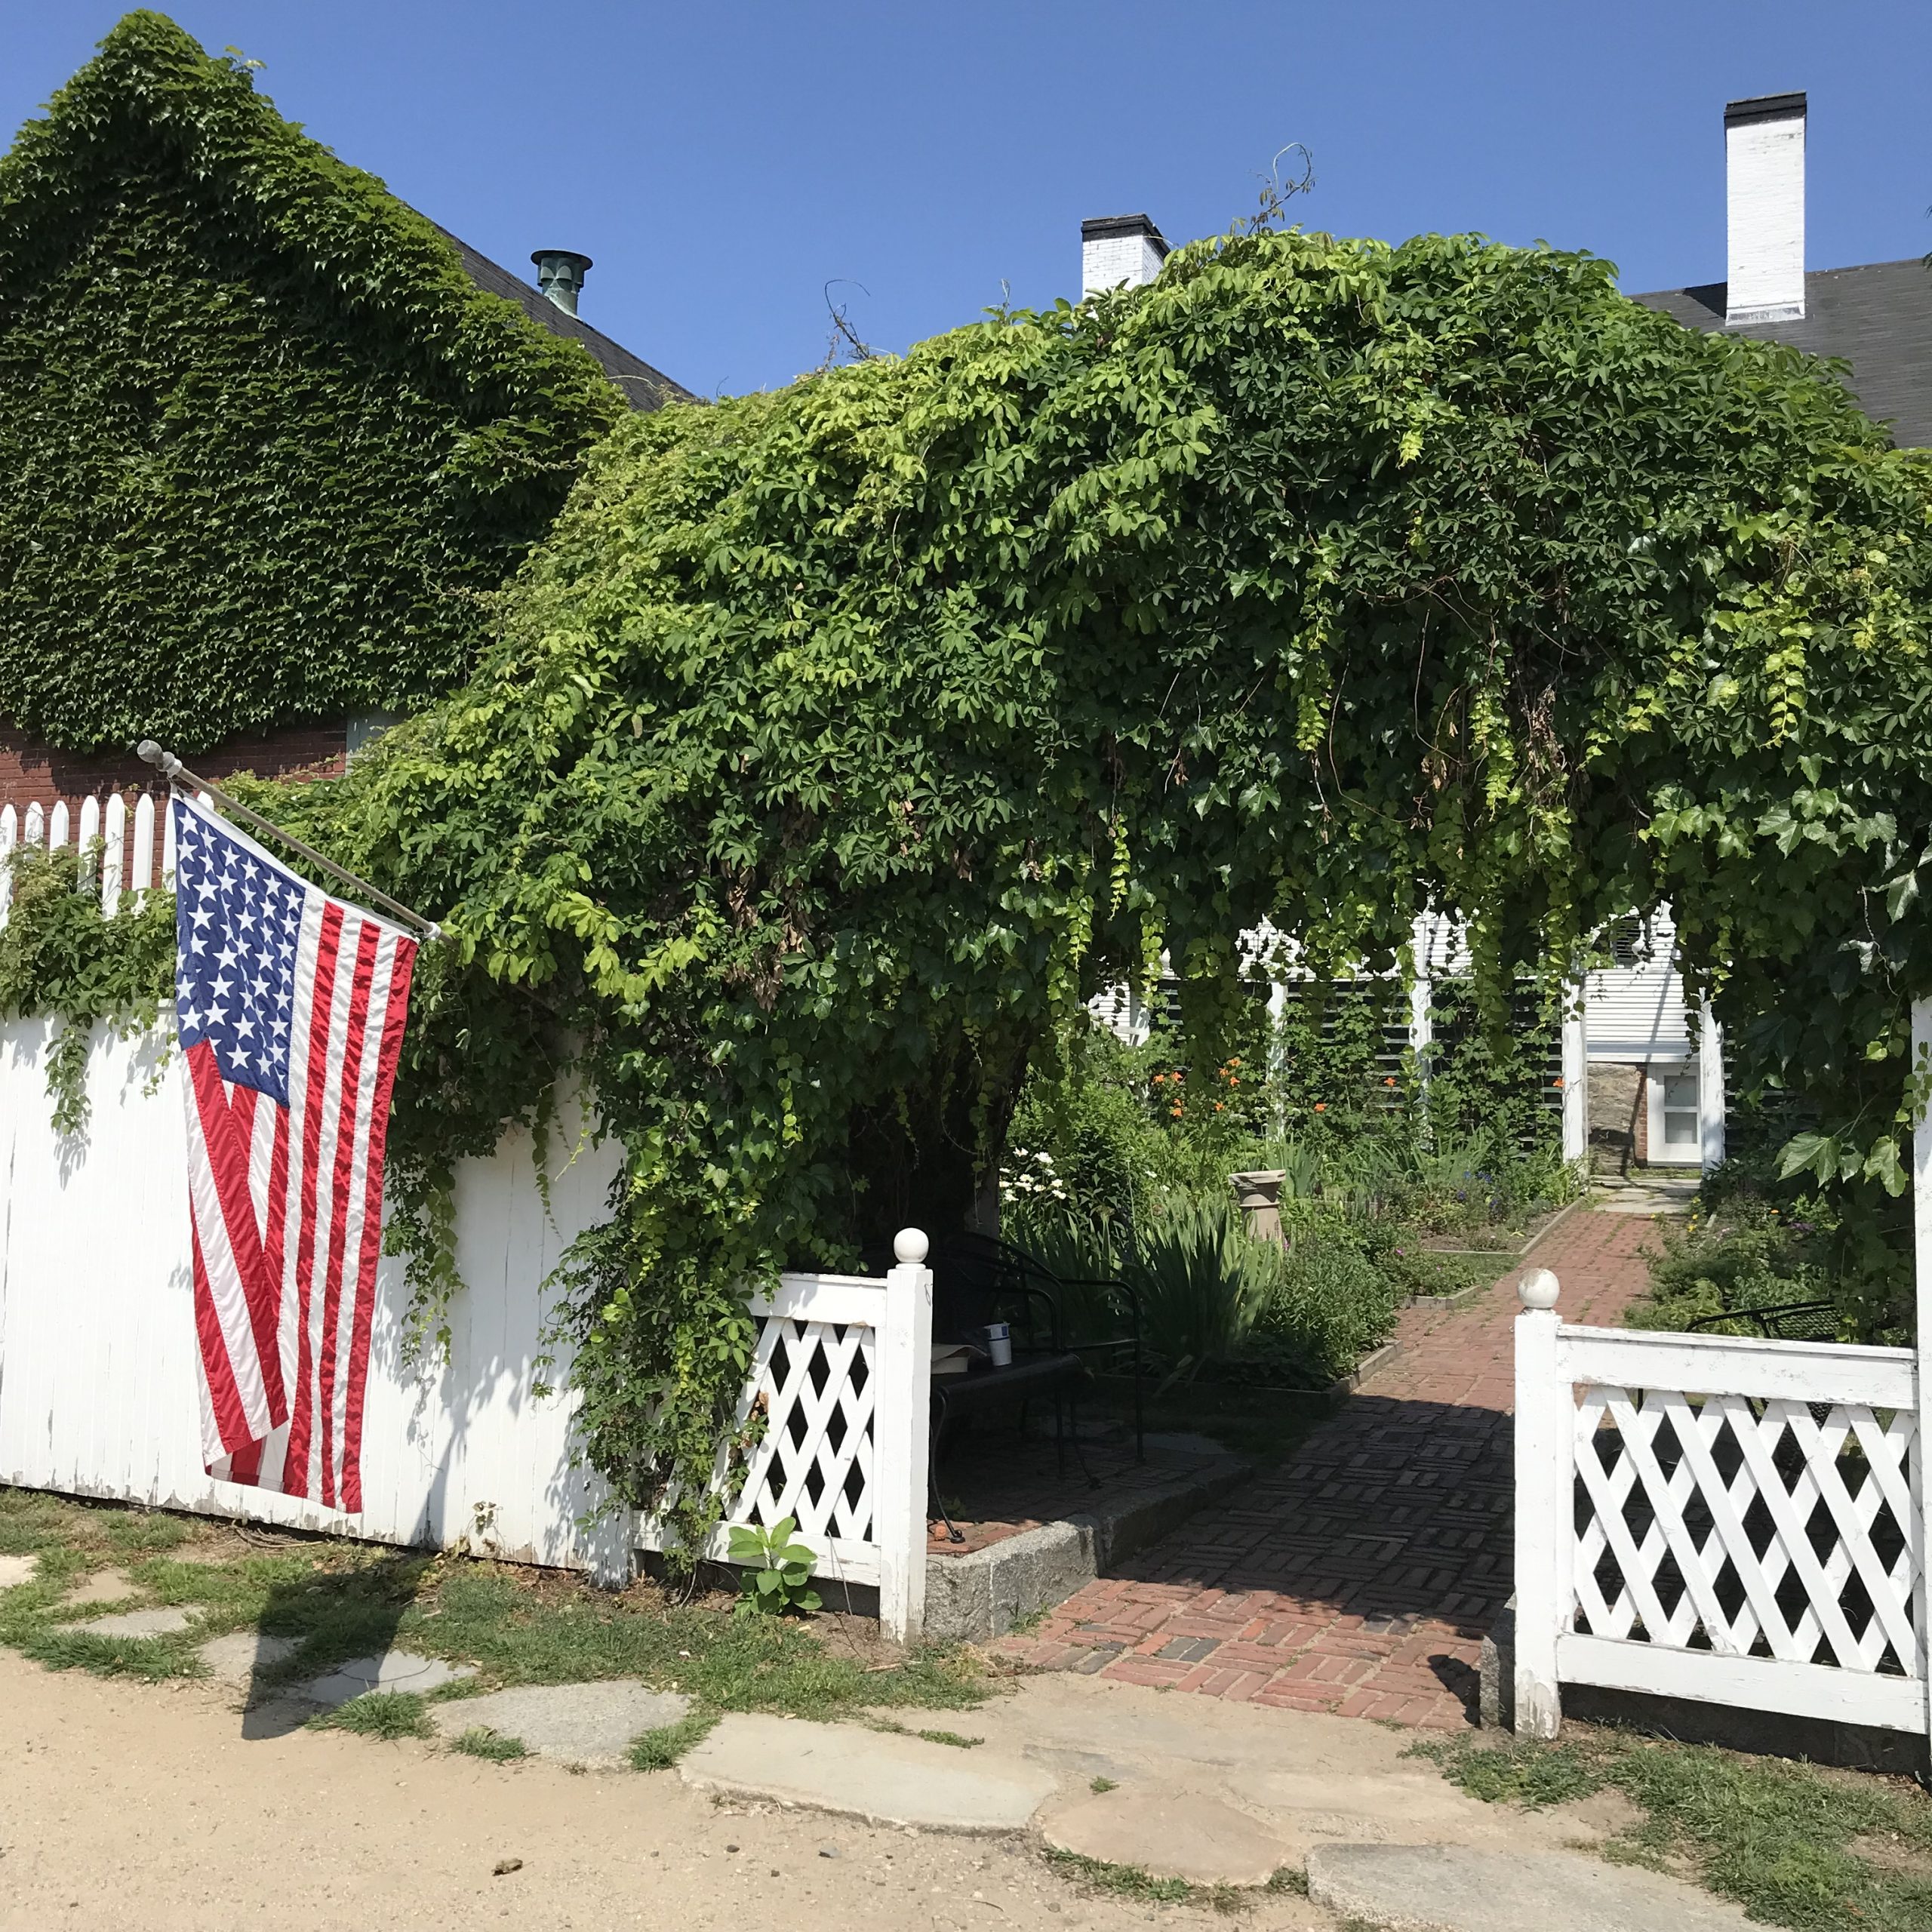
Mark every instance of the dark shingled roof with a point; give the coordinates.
(643, 387)
(1878, 318)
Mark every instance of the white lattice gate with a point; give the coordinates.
(1739, 1521)
(841, 1372)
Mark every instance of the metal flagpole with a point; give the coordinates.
(171, 768)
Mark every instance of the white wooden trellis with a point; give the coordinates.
(1733, 1520)
(841, 1373)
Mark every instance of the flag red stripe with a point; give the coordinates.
(389, 1055)
(341, 1182)
(228, 1162)
(295, 1479)
(229, 1421)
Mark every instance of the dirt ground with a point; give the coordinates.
(141, 1807)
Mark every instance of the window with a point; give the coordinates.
(1680, 1111)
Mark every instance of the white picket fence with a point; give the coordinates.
(128, 840)
(1730, 1520)
(97, 1354)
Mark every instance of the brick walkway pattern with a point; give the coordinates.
(1361, 1575)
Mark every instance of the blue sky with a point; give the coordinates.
(722, 163)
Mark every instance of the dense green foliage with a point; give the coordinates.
(1757, 1241)
(60, 957)
(842, 741)
(265, 448)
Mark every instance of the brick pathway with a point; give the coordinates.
(1362, 1575)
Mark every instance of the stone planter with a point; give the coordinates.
(1258, 1194)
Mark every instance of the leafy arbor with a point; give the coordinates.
(841, 741)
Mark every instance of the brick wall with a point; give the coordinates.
(32, 772)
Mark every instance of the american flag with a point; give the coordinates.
(289, 1005)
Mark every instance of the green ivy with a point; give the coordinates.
(62, 959)
(840, 742)
(265, 451)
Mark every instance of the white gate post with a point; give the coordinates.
(1545, 1425)
(901, 1424)
(1576, 1074)
(1710, 1088)
(1918, 1475)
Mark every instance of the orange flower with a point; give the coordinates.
(1321, 1107)
(1556, 1083)
(1217, 1106)
(1232, 1081)
(1389, 1081)
(1175, 1111)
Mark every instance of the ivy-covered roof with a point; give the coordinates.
(266, 448)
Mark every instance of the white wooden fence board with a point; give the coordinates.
(97, 1388)
(1739, 1365)
(1760, 1684)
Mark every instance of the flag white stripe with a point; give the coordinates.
(225, 1290)
(359, 1168)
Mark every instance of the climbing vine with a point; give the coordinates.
(840, 742)
(265, 449)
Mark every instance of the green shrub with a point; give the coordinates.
(1749, 1251)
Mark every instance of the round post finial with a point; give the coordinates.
(909, 1245)
(1539, 1288)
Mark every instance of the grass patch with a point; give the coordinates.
(152, 1660)
(337, 1600)
(951, 1737)
(1810, 1850)
(658, 1750)
(385, 1714)
(1130, 1881)
(480, 1741)
(1102, 1786)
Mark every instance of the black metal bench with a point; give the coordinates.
(1788, 1321)
(978, 1280)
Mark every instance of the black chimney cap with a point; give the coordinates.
(1763, 107)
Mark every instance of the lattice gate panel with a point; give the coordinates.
(1747, 1527)
(816, 1382)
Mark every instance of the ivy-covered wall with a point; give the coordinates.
(265, 448)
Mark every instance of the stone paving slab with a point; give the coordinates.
(394, 1670)
(1172, 1835)
(17, 1570)
(1455, 1888)
(879, 1775)
(135, 1623)
(592, 1725)
(103, 1586)
(241, 1657)
(1361, 1576)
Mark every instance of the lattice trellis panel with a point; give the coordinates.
(817, 1382)
(1747, 1527)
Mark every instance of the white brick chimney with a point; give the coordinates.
(1763, 144)
(1117, 248)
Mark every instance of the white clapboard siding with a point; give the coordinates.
(1728, 1519)
(1637, 1013)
